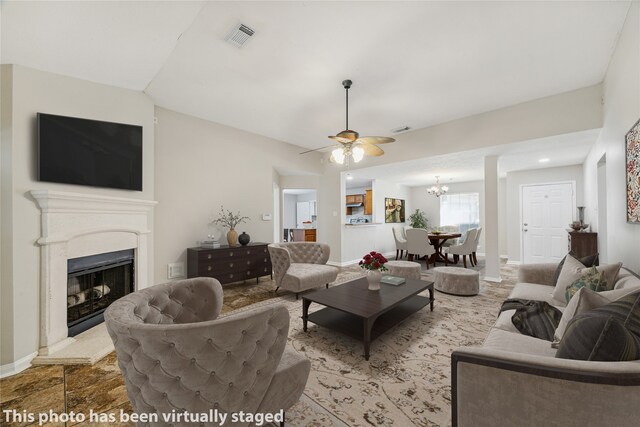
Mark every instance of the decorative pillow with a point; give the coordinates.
(588, 261)
(608, 333)
(573, 269)
(592, 279)
(584, 300)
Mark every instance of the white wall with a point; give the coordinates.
(621, 111)
(357, 190)
(25, 93)
(537, 176)
(202, 165)
(289, 210)
(306, 197)
(358, 240)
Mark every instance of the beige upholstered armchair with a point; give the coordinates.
(175, 354)
(298, 266)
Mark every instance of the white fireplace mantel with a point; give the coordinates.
(75, 225)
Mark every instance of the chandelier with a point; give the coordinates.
(437, 190)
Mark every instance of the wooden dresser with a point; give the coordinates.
(230, 264)
(582, 243)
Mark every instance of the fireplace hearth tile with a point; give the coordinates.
(87, 348)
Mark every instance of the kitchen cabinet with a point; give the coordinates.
(310, 235)
(354, 198)
(368, 203)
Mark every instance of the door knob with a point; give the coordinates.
(525, 224)
(525, 230)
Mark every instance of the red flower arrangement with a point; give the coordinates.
(373, 261)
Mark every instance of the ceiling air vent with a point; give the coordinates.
(239, 35)
(400, 129)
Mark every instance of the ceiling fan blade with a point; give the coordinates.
(318, 149)
(371, 150)
(375, 140)
(340, 139)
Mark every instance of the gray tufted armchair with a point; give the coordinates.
(175, 354)
(298, 266)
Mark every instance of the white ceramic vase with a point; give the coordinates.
(373, 277)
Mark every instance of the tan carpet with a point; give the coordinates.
(407, 379)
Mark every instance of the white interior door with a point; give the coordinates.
(547, 211)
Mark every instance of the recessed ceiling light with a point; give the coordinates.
(349, 177)
(544, 160)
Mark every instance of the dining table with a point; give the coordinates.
(437, 240)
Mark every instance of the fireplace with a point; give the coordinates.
(93, 283)
(78, 225)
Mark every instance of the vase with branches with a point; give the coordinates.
(230, 220)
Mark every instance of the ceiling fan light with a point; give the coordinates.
(338, 155)
(357, 153)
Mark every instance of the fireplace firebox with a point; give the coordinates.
(93, 283)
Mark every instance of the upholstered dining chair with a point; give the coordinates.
(475, 245)
(401, 243)
(176, 354)
(465, 249)
(418, 245)
(404, 231)
(449, 229)
(298, 266)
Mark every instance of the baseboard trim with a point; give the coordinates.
(18, 366)
(492, 279)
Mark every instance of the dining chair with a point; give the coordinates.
(401, 243)
(465, 249)
(449, 229)
(475, 245)
(418, 245)
(404, 231)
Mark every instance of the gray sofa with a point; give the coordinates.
(516, 380)
(175, 354)
(298, 266)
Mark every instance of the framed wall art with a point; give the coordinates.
(393, 210)
(632, 150)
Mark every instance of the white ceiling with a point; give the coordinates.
(561, 150)
(412, 63)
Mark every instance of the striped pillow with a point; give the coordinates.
(608, 333)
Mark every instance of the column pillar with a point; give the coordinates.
(491, 220)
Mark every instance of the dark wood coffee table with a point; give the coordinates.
(351, 308)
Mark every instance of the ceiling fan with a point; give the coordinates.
(350, 144)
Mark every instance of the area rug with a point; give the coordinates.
(407, 379)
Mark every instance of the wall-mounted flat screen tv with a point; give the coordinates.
(89, 152)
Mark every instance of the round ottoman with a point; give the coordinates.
(406, 269)
(456, 280)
